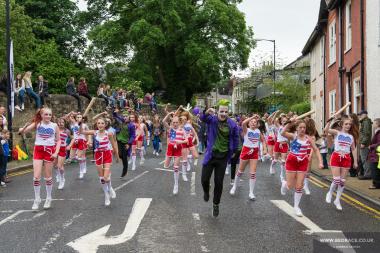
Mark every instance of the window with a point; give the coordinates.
(357, 95)
(332, 96)
(322, 56)
(348, 26)
(332, 43)
(347, 98)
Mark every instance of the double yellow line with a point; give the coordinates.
(349, 200)
(19, 173)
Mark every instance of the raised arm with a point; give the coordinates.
(165, 120)
(27, 128)
(327, 130)
(207, 117)
(286, 133)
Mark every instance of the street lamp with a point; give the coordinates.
(274, 67)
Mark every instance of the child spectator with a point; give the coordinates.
(323, 150)
(4, 153)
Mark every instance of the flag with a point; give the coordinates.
(11, 79)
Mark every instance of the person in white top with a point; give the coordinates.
(271, 136)
(19, 87)
(103, 156)
(63, 134)
(281, 146)
(340, 161)
(46, 149)
(250, 153)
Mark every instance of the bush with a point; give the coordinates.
(301, 107)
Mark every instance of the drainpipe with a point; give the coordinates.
(341, 55)
(324, 79)
(362, 66)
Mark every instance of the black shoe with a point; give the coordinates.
(206, 196)
(215, 210)
(364, 178)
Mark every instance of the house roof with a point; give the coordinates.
(302, 61)
(318, 30)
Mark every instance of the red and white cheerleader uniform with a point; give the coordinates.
(174, 149)
(103, 152)
(271, 135)
(80, 141)
(63, 137)
(281, 145)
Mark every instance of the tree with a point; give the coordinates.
(21, 34)
(58, 20)
(180, 46)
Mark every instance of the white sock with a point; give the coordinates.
(339, 192)
(252, 182)
(335, 183)
(142, 153)
(62, 174)
(282, 174)
(195, 161)
(133, 160)
(184, 167)
(190, 159)
(37, 189)
(297, 197)
(104, 184)
(176, 175)
(273, 163)
(306, 183)
(49, 187)
(237, 178)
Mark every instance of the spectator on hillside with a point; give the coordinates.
(83, 89)
(19, 87)
(108, 92)
(373, 157)
(29, 89)
(153, 103)
(43, 92)
(70, 89)
(3, 119)
(101, 93)
(364, 141)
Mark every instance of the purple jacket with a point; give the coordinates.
(372, 156)
(212, 131)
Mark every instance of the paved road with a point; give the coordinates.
(181, 223)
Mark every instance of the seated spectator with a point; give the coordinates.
(29, 89)
(42, 85)
(108, 93)
(373, 157)
(70, 89)
(101, 93)
(3, 119)
(19, 87)
(83, 89)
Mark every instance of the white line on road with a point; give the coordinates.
(131, 180)
(7, 211)
(12, 216)
(192, 188)
(34, 216)
(56, 235)
(168, 170)
(200, 233)
(341, 244)
(31, 200)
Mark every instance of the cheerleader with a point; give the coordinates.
(340, 161)
(297, 160)
(143, 139)
(271, 138)
(79, 142)
(189, 150)
(250, 153)
(46, 148)
(104, 140)
(281, 146)
(138, 139)
(64, 135)
(311, 131)
(176, 137)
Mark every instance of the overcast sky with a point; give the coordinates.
(289, 22)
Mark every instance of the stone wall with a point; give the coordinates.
(60, 105)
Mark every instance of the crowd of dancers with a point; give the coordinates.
(289, 142)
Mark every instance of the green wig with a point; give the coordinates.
(223, 102)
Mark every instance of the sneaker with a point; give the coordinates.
(252, 196)
(18, 108)
(157, 154)
(112, 193)
(307, 190)
(232, 182)
(154, 152)
(130, 161)
(338, 205)
(57, 178)
(81, 175)
(175, 189)
(107, 200)
(22, 107)
(184, 178)
(61, 184)
(3, 184)
(47, 204)
(36, 204)
(206, 196)
(233, 191)
(284, 188)
(328, 197)
(298, 211)
(271, 171)
(215, 210)
(188, 167)
(134, 167)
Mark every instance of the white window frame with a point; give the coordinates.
(332, 102)
(348, 26)
(332, 43)
(322, 56)
(357, 95)
(347, 97)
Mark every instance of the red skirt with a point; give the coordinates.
(103, 157)
(174, 151)
(43, 153)
(249, 153)
(62, 152)
(340, 161)
(80, 144)
(296, 163)
(281, 147)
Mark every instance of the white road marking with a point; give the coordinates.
(56, 235)
(7, 211)
(31, 200)
(200, 234)
(192, 188)
(90, 243)
(12, 216)
(168, 170)
(130, 181)
(339, 241)
(31, 219)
